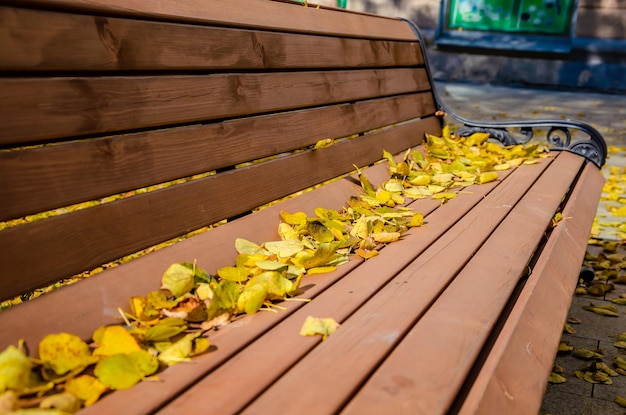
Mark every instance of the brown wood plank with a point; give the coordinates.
(35, 40)
(455, 328)
(43, 178)
(267, 358)
(338, 366)
(96, 300)
(36, 109)
(88, 238)
(242, 13)
(513, 378)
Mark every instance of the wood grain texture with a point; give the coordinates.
(513, 377)
(269, 15)
(43, 178)
(88, 238)
(337, 367)
(36, 109)
(145, 397)
(97, 298)
(278, 350)
(35, 41)
(453, 332)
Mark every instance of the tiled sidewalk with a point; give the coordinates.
(608, 114)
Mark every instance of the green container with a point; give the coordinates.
(342, 3)
(520, 16)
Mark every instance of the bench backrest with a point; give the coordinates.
(127, 123)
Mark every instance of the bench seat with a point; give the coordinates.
(189, 113)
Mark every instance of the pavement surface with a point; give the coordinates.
(607, 113)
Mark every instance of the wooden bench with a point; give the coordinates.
(104, 97)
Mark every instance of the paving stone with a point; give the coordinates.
(571, 364)
(618, 387)
(566, 404)
(595, 326)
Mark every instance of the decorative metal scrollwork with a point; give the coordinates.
(559, 136)
(555, 139)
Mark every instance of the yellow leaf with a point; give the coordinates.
(287, 233)
(366, 254)
(487, 177)
(394, 186)
(246, 247)
(118, 372)
(252, 298)
(465, 175)
(86, 388)
(420, 180)
(444, 197)
(320, 232)
(65, 402)
(318, 326)
(115, 340)
(14, 369)
(235, 274)
(416, 220)
(178, 279)
(284, 249)
(326, 142)
(64, 352)
(386, 237)
(179, 351)
(360, 228)
(417, 192)
(556, 378)
(442, 178)
(321, 270)
(298, 218)
(433, 188)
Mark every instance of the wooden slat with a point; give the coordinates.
(47, 41)
(241, 13)
(338, 366)
(515, 373)
(43, 178)
(35, 109)
(455, 328)
(96, 299)
(176, 379)
(88, 238)
(279, 349)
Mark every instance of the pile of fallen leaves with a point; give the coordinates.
(610, 224)
(166, 326)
